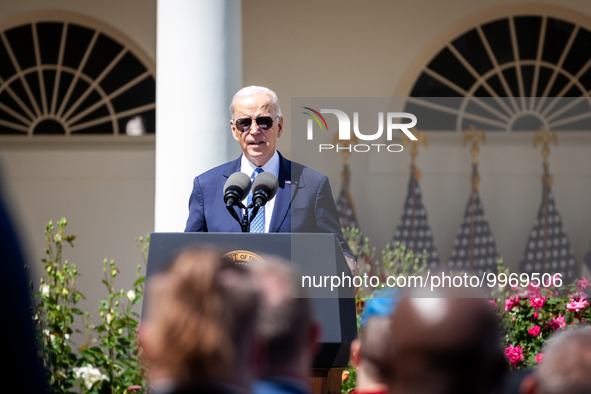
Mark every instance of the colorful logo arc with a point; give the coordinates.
(316, 118)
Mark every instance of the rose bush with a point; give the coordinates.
(528, 315)
(109, 361)
(533, 313)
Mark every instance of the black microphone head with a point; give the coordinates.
(266, 182)
(238, 182)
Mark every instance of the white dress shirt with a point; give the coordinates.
(271, 166)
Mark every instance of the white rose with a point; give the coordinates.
(89, 375)
(44, 290)
(131, 295)
(49, 334)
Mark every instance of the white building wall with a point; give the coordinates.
(365, 49)
(106, 191)
(299, 49)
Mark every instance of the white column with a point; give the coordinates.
(199, 68)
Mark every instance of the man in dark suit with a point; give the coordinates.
(303, 202)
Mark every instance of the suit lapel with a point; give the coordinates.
(233, 167)
(283, 196)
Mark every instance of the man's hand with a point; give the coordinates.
(353, 266)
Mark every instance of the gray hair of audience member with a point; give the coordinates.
(253, 91)
(566, 368)
(286, 317)
(201, 313)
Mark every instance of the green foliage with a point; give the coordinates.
(519, 308)
(396, 262)
(348, 380)
(110, 361)
(529, 315)
(55, 310)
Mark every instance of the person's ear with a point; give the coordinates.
(280, 126)
(529, 385)
(144, 338)
(235, 133)
(355, 346)
(314, 338)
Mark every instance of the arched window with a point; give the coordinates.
(65, 74)
(512, 73)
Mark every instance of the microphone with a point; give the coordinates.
(264, 188)
(236, 188)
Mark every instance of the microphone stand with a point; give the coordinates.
(244, 222)
(256, 204)
(255, 209)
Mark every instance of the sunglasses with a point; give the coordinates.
(264, 123)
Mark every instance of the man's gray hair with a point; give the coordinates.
(253, 91)
(567, 363)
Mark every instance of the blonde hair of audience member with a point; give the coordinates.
(201, 321)
(286, 321)
(566, 368)
(372, 355)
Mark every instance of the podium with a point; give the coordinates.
(310, 254)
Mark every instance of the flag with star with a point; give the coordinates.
(345, 207)
(548, 248)
(475, 247)
(414, 231)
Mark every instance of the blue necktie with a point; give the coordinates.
(258, 223)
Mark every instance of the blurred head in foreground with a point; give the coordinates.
(566, 368)
(200, 324)
(446, 345)
(286, 325)
(371, 354)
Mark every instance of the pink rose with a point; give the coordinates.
(576, 305)
(558, 322)
(493, 303)
(534, 291)
(537, 303)
(536, 315)
(539, 357)
(510, 303)
(535, 330)
(514, 354)
(583, 284)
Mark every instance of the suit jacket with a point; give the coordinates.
(303, 202)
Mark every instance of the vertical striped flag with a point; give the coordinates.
(475, 248)
(548, 248)
(414, 231)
